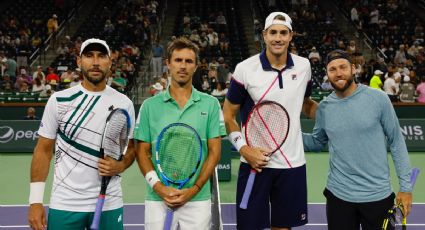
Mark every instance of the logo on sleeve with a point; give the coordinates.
(204, 113)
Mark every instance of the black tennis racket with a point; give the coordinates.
(178, 156)
(114, 144)
(267, 127)
(396, 219)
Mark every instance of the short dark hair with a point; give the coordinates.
(182, 43)
(337, 54)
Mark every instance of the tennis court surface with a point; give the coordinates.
(14, 178)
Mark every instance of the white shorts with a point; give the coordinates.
(192, 215)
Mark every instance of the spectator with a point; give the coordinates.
(375, 81)
(67, 77)
(108, 28)
(11, 67)
(407, 90)
(314, 54)
(52, 24)
(62, 49)
(39, 71)
(52, 78)
(38, 85)
(24, 88)
(390, 86)
(6, 83)
(31, 114)
(420, 90)
(47, 92)
(219, 90)
(400, 55)
(224, 43)
(157, 55)
(222, 71)
(118, 81)
(156, 88)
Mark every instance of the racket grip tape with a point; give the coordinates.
(98, 212)
(248, 189)
(168, 219)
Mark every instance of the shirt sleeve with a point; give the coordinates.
(237, 92)
(317, 140)
(131, 112)
(141, 129)
(397, 144)
(216, 126)
(49, 123)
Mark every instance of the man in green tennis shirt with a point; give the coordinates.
(181, 102)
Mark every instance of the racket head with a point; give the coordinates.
(267, 126)
(115, 135)
(178, 153)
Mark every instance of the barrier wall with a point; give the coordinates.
(21, 136)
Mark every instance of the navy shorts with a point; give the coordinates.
(279, 193)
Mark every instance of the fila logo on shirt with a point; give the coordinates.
(204, 113)
(294, 77)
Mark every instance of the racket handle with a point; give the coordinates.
(98, 212)
(168, 219)
(248, 189)
(414, 174)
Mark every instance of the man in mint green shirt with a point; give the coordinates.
(180, 103)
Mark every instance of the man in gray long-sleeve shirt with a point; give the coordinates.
(356, 122)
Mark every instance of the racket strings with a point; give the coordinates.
(179, 153)
(116, 135)
(267, 127)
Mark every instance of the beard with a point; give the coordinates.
(347, 84)
(94, 80)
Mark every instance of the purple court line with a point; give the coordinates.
(15, 217)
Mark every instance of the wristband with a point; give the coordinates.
(237, 140)
(36, 192)
(151, 178)
(199, 188)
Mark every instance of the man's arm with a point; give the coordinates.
(317, 140)
(257, 158)
(309, 107)
(40, 164)
(399, 154)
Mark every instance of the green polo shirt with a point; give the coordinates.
(202, 112)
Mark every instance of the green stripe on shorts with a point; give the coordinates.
(66, 220)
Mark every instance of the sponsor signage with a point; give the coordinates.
(18, 136)
(21, 136)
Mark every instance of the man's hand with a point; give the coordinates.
(405, 198)
(37, 217)
(110, 167)
(173, 197)
(256, 157)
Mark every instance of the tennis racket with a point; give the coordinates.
(395, 218)
(114, 144)
(178, 156)
(267, 127)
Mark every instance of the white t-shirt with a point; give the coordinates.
(76, 118)
(254, 78)
(389, 85)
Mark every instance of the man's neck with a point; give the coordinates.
(277, 61)
(180, 94)
(92, 87)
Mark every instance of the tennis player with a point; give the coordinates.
(181, 102)
(71, 131)
(273, 75)
(357, 122)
